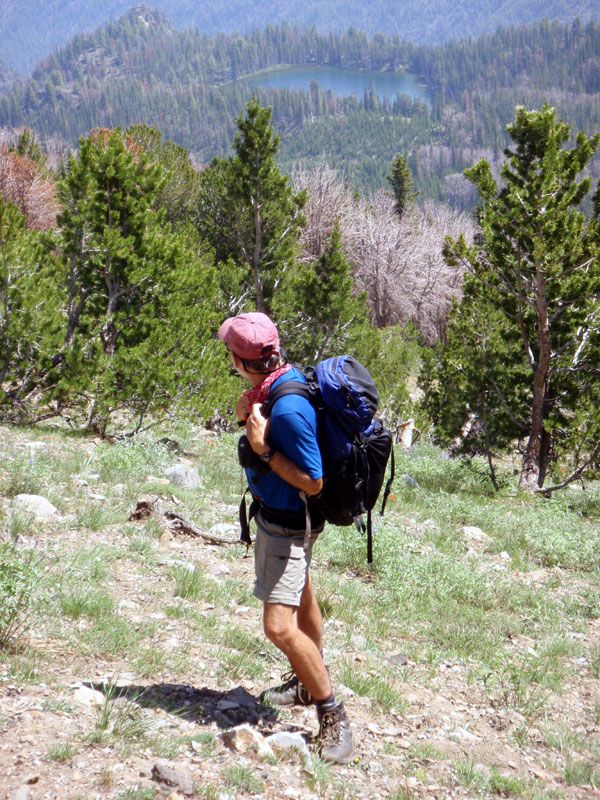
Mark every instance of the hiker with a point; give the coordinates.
(287, 443)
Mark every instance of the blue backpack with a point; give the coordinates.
(354, 445)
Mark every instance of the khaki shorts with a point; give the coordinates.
(280, 562)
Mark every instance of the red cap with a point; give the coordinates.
(250, 336)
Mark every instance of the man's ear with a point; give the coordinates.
(238, 364)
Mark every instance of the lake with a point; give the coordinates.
(341, 81)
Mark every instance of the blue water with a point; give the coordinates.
(341, 81)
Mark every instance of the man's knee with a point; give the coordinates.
(279, 624)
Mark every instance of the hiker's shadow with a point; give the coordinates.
(202, 706)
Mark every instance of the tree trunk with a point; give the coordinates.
(537, 453)
(256, 259)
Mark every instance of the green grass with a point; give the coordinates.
(20, 522)
(132, 459)
(23, 473)
(20, 572)
(114, 597)
(147, 793)
(369, 682)
(242, 779)
(110, 635)
(61, 752)
(96, 517)
(582, 772)
(189, 581)
(82, 602)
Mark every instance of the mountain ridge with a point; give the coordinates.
(141, 70)
(24, 41)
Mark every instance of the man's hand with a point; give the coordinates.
(257, 430)
(241, 409)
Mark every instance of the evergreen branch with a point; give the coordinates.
(505, 405)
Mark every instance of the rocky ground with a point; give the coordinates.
(177, 717)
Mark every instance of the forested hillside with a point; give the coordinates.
(25, 40)
(7, 76)
(141, 69)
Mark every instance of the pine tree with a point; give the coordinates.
(537, 264)
(141, 303)
(319, 312)
(268, 215)
(400, 179)
(30, 318)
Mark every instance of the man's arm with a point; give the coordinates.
(257, 429)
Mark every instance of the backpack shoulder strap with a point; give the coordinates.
(285, 388)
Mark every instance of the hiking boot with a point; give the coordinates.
(290, 693)
(335, 736)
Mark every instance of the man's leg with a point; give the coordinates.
(310, 620)
(282, 627)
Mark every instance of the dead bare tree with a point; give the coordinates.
(398, 261)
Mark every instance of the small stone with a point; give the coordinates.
(398, 658)
(36, 504)
(184, 476)
(89, 697)
(476, 534)
(245, 739)
(22, 793)
(463, 735)
(224, 529)
(286, 740)
(410, 481)
(227, 705)
(179, 778)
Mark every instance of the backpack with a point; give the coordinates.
(354, 445)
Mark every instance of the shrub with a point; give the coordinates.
(18, 577)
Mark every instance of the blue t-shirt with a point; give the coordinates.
(293, 432)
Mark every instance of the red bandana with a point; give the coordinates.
(259, 393)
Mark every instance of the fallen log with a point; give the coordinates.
(152, 507)
(180, 524)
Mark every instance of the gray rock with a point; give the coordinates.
(176, 777)
(410, 481)
(474, 533)
(36, 504)
(287, 740)
(183, 476)
(398, 658)
(224, 529)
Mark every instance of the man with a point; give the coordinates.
(287, 442)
